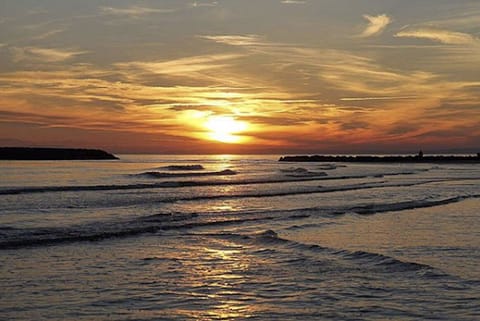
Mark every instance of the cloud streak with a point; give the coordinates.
(236, 40)
(133, 11)
(36, 54)
(182, 67)
(442, 36)
(198, 4)
(376, 98)
(48, 34)
(294, 1)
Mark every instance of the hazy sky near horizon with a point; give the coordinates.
(241, 76)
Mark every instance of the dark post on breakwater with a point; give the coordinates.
(32, 153)
(419, 158)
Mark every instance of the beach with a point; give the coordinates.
(168, 237)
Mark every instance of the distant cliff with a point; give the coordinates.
(27, 153)
(383, 159)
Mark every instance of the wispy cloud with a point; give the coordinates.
(197, 4)
(48, 34)
(344, 70)
(376, 25)
(133, 11)
(443, 36)
(236, 40)
(182, 66)
(294, 1)
(43, 54)
(377, 98)
(461, 16)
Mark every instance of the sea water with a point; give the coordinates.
(238, 238)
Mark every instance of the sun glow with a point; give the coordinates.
(225, 129)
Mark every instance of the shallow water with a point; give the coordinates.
(269, 241)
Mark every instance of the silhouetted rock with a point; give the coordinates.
(27, 153)
(383, 159)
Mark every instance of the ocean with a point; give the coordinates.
(158, 237)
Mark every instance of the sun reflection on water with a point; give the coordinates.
(220, 274)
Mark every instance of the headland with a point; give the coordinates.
(33, 153)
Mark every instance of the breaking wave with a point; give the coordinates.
(366, 259)
(18, 238)
(225, 172)
(408, 205)
(301, 172)
(329, 167)
(166, 184)
(27, 237)
(196, 167)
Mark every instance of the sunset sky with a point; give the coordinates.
(241, 76)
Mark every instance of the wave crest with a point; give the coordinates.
(225, 172)
(195, 167)
(301, 172)
(370, 260)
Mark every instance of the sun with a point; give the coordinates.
(225, 129)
